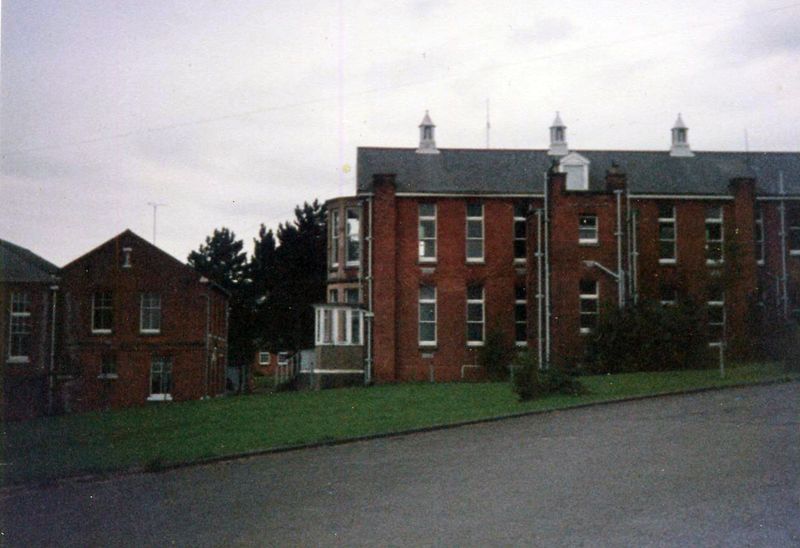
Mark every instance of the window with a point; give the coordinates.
(108, 366)
(283, 358)
(352, 296)
(160, 379)
(587, 229)
(589, 305)
(474, 232)
(669, 295)
(520, 316)
(427, 315)
(333, 296)
(355, 327)
(475, 315)
(759, 235)
(334, 247)
(520, 236)
(337, 326)
(714, 235)
(794, 231)
(126, 257)
(427, 232)
(667, 234)
(716, 317)
(327, 326)
(150, 320)
(352, 237)
(102, 312)
(263, 358)
(19, 348)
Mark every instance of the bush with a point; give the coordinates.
(648, 336)
(530, 382)
(781, 342)
(496, 355)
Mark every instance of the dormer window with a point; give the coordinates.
(577, 169)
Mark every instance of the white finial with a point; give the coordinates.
(558, 137)
(427, 142)
(680, 140)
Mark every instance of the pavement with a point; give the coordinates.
(717, 468)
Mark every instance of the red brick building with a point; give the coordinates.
(442, 246)
(137, 326)
(28, 289)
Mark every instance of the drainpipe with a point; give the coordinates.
(620, 271)
(782, 208)
(207, 297)
(370, 315)
(546, 363)
(635, 268)
(539, 284)
(50, 377)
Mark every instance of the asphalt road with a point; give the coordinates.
(712, 469)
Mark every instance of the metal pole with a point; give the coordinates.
(620, 271)
(635, 268)
(546, 363)
(539, 284)
(155, 206)
(782, 208)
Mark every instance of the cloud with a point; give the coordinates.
(545, 30)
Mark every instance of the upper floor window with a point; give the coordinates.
(352, 295)
(715, 235)
(794, 230)
(427, 315)
(102, 312)
(333, 296)
(19, 348)
(589, 305)
(475, 315)
(520, 316)
(335, 325)
(667, 234)
(353, 239)
(333, 249)
(427, 232)
(759, 236)
(520, 236)
(474, 232)
(150, 315)
(587, 229)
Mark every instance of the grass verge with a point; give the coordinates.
(153, 437)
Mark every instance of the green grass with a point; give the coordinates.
(156, 436)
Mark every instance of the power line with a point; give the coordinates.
(370, 91)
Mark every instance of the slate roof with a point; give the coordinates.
(497, 171)
(18, 264)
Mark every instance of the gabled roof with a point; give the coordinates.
(498, 171)
(18, 264)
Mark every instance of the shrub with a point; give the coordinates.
(496, 355)
(530, 382)
(648, 336)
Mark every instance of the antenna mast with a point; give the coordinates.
(488, 125)
(155, 206)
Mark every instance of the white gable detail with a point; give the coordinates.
(577, 169)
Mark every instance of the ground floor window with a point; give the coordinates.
(161, 379)
(589, 305)
(427, 315)
(339, 325)
(520, 316)
(263, 358)
(19, 347)
(475, 315)
(716, 318)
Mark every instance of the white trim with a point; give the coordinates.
(464, 195)
(108, 376)
(777, 198)
(673, 220)
(420, 302)
(589, 241)
(428, 218)
(159, 397)
(481, 301)
(18, 359)
(101, 331)
(680, 197)
(337, 371)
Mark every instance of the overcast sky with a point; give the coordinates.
(230, 113)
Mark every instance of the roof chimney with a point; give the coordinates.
(427, 142)
(558, 138)
(680, 140)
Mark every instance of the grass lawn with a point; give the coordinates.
(150, 437)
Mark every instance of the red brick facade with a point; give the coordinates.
(159, 317)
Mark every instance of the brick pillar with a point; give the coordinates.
(384, 273)
(740, 268)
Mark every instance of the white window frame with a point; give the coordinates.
(718, 304)
(147, 308)
(333, 296)
(715, 221)
(760, 237)
(262, 360)
(596, 229)
(792, 229)
(334, 250)
(475, 220)
(161, 395)
(19, 316)
(588, 297)
(667, 221)
(283, 358)
(351, 236)
(520, 220)
(427, 218)
(473, 301)
(96, 307)
(104, 373)
(523, 303)
(348, 291)
(427, 300)
(336, 326)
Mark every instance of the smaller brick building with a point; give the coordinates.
(28, 286)
(138, 326)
